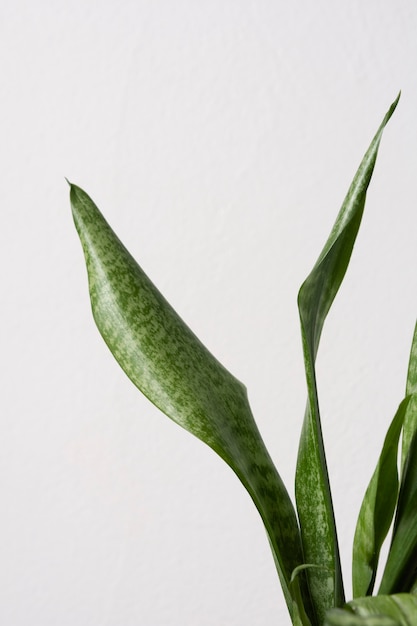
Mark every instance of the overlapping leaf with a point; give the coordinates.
(316, 295)
(383, 610)
(377, 510)
(380, 500)
(410, 422)
(167, 362)
(340, 617)
(400, 572)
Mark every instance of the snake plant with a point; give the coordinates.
(169, 364)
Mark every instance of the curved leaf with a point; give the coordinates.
(395, 610)
(400, 572)
(410, 422)
(377, 510)
(316, 295)
(401, 568)
(402, 608)
(167, 362)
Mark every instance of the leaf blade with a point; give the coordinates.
(400, 607)
(410, 423)
(167, 362)
(400, 569)
(340, 617)
(313, 495)
(383, 610)
(399, 573)
(377, 509)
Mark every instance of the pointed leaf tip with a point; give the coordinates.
(312, 488)
(175, 371)
(392, 108)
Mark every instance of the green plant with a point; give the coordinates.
(167, 362)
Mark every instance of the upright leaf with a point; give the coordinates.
(377, 510)
(401, 568)
(316, 295)
(410, 423)
(380, 499)
(167, 362)
(400, 572)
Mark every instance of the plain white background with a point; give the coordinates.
(219, 139)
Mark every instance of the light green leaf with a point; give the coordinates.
(167, 362)
(377, 510)
(402, 608)
(395, 610)
(316, 295)
(300, 617)
(340, 617)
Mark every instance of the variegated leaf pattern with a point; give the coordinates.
(313, 496)
(167, 362)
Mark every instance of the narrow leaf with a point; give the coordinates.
(400, 572)
(401, 568)
(410, 423)
(377, 510)
(316, 295)
(381, 496)
(167, 362)
(383, 610)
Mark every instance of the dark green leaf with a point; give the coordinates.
(401, 568)
(400, 572)
(167, 362)
(410, 422)
(381, 498)
(316, 295)
(377, 510)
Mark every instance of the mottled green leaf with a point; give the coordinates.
(341, 617)
(316, 295)
(395, 610)
(167, 362)
(377, 510)
(402, 608)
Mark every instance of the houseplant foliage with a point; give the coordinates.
(169, 364)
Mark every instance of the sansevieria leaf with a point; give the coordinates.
(395, 610)
(401, 607)
(167, 362)
(400, 571)
(380, 499)
(377, 510)
(410, 422)
(316, 295)
(341, 617)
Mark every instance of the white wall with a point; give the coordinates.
(219, 138)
